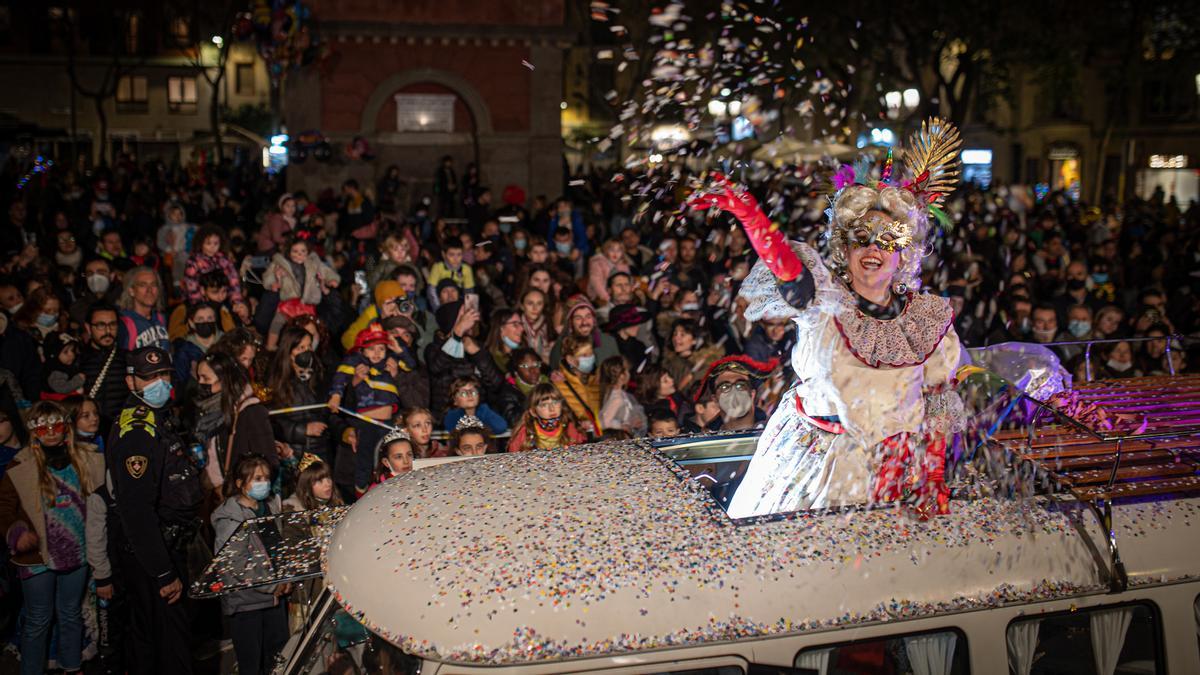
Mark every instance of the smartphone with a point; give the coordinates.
(360, 280)
(472, 302)
(259, 262)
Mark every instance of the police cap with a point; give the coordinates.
(148, 362)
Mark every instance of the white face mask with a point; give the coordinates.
(1119, 366)
(735, 404)
(98, 283)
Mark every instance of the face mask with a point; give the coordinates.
(98, 283)
(56, 455)
(563, 248)
(690, 306)
(587, 363)
(1076, 284)
(47, 320)
(205, 390)
(506, 227)
(511, 344)
(16, 308)
(1100, 277)
(1043, 335)
(454, 348)
(85, 435)
(1025, 325)
(1079, 328)
(157, 394)
(304, 362)
(206, 329)
(549, 425)
(520, 244)
(259, 490)
(735, 404)
(1119, 366)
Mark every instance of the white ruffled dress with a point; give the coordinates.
(881, 378)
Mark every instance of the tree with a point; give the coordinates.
(106, 34)
(207, 22)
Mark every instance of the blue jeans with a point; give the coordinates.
(51, 595)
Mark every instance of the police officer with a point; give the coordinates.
(157, 493)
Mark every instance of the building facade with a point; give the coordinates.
(417, 81)
(133, 77)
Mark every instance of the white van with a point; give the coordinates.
(618, 557)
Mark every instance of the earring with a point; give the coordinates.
(901, 289)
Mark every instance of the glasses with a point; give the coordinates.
(109, 325)
(530, 366)
(50, 429)
(467, 392)
(512, 322)
(726, 387)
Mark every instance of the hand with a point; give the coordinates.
(27, 542)
(335, 402)
(315, 428)
(391, 367)
(281, 590)
(360, 372)
(467, 317)
(470, 346)
(334, 282)
(284, 450)
(104, 592)
(557, 377)
(279, 274)
(171, 592)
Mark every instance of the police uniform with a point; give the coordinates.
(157, 494)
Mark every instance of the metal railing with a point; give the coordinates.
(436, 435)
(1087, 352)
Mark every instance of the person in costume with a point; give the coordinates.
(866, 421)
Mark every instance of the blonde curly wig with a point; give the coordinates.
(854, 202)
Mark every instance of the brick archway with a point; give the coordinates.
(380, 96)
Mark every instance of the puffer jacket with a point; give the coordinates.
(226, 520)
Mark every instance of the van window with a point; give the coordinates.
(718, 670)
(941, 652)
(1114, 639)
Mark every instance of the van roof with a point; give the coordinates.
(607, 549)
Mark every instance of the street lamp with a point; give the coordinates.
(218, 40)
(717, 108)
(912, 98)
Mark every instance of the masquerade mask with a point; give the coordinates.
(876, 228)
(49, 425)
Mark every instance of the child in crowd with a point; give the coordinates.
(257, 616)
(63, 376)
(314, 486)
(418, 422)
(86, 416)
(465, 395)
(663, 423)
(547, 423)
(620, 409)
(451, 267)
(301, 279)
(365, 375)
(470, 437)
(395, 456)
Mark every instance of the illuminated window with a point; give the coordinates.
(181, 94)
(181, 31)
(132, 95)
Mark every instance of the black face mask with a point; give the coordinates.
(56, 455)
(304, 362)
(205, 390)
(1076, 285)
(206, 329)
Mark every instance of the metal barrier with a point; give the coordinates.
(437, 435)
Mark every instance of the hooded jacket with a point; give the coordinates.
(226, 519)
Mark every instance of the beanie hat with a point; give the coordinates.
(386, 290)
(447, 314)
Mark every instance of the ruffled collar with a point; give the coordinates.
(906, 340)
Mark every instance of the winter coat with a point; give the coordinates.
(520, 437)
(292, 428)
(444, 369)
(111, 391)
(622, 411)
(379, 389)
(280, 277)
(226, 519)
(198, 264)
(490, 418)
(582, 398)
(21, 502)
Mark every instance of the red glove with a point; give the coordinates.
(771, 244)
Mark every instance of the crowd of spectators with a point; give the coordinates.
(407, 327)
